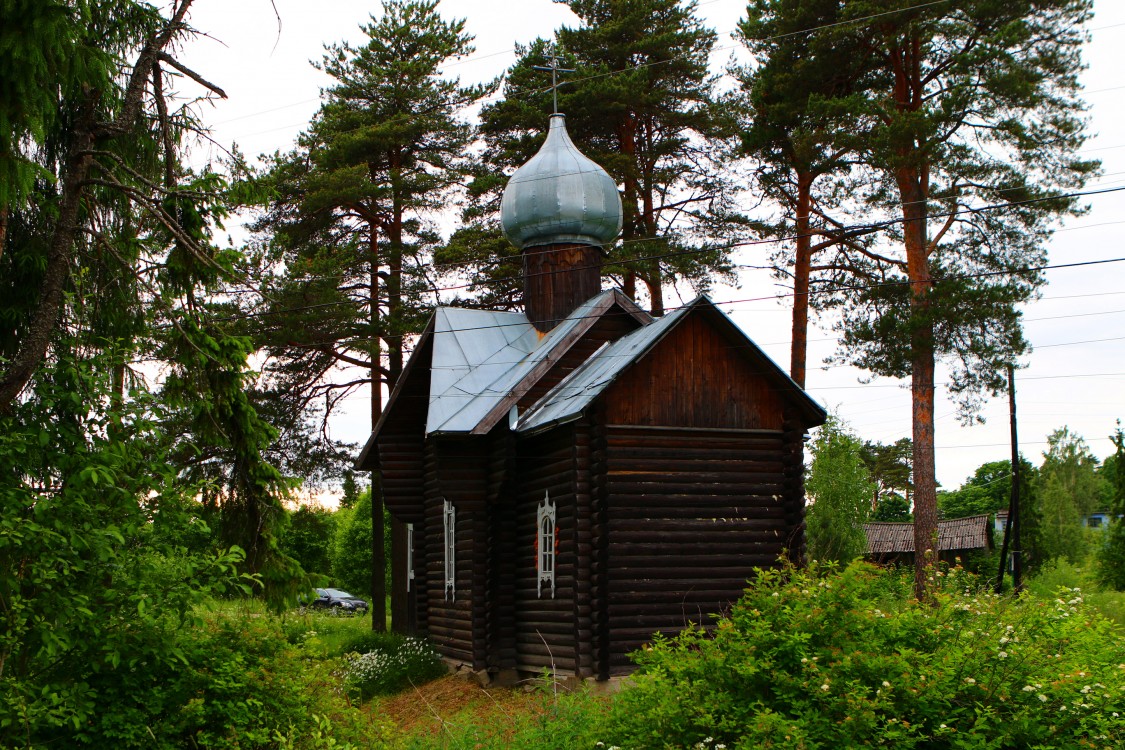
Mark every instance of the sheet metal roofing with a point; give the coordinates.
(480, 356)
(955, 534)
(569, 398)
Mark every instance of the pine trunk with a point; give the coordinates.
(802, 268)
(378, 579)
(921, 375)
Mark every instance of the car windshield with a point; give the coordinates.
(338, 593)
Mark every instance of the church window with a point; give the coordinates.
(409, 556)
(546, 544)
(449, 524)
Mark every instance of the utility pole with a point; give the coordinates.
(1012, 524)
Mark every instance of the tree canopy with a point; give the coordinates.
(970, 120)
(840, 488)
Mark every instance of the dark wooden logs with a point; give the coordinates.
(557, 279)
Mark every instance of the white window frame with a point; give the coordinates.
(409, 556)
(546, 541)
(449, 527)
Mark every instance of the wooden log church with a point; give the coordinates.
(569, 480)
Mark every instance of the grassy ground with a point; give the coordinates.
(452, 712)
(1062, 573)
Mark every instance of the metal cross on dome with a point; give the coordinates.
(555, 70)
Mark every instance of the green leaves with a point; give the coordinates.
(841, 491)
(843, 658)
(92, 577)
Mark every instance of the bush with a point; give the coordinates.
(814, 658)
(239, 684)
(391, 664)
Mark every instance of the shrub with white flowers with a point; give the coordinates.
(389, 668)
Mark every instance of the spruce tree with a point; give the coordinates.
(89, 164)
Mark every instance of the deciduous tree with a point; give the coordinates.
(840, 489)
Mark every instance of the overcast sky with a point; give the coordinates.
(1075, 376)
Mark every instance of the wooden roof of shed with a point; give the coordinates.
(956, 534)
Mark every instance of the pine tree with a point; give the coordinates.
(348, 220)
(796, 100)
(968, 104)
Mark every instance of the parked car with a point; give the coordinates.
(338, 601)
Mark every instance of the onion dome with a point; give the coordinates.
(560, 197)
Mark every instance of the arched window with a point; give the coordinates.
(449, 524)
(546, 544)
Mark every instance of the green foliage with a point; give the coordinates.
(238, 684)
(1069, 487)
(308, 538)
(841, 492)
(209, 384)
(890, 469)
(51, 53)
(351, 546)
(354, 202)
(818, 659)
(933, 131)
(988, 490)
(893, 508)
(389, 663)
(1111, 555)
(96, 580)
(1059, 572)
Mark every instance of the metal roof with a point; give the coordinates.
(574, 393)
(480, 357)
(954, 534)
(567, 400)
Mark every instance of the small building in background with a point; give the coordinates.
(893, 543)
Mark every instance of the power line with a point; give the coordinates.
(474, 58)
(859, 228)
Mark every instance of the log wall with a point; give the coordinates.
(544, 625)
(447, 621)
(688, 514)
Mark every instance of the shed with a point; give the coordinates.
(894, 542)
